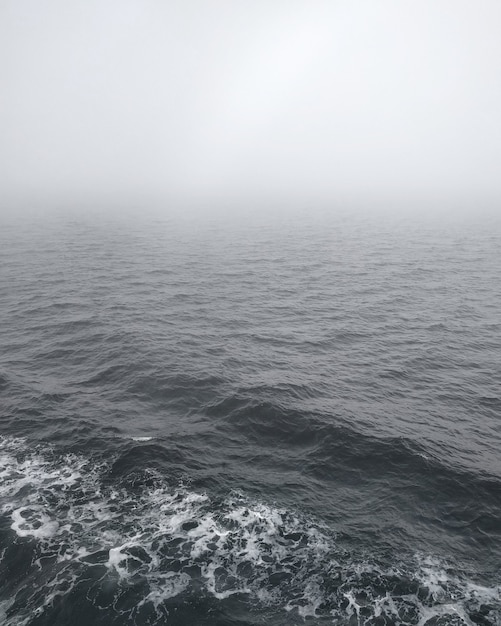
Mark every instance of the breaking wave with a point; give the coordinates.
(144, 549)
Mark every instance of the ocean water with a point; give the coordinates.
(276, 419)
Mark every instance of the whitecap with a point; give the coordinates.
(267, 554)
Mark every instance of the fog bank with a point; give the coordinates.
(201, 104)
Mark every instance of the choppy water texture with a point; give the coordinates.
(276, 420)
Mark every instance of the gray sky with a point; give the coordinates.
(229, 99)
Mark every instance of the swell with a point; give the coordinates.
(404, 471)
(267, 423)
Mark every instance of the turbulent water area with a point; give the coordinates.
(275, 419)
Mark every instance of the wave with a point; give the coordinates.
(392, 473)
(334, 444)
(80, 540)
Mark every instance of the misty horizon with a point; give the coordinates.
(196, 104)
(250, 325)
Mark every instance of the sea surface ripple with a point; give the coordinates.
(273, 419)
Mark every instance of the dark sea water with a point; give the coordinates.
(267, 420)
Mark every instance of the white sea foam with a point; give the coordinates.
(172, 539)
(29, 521)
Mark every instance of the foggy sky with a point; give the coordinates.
(197, 99)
